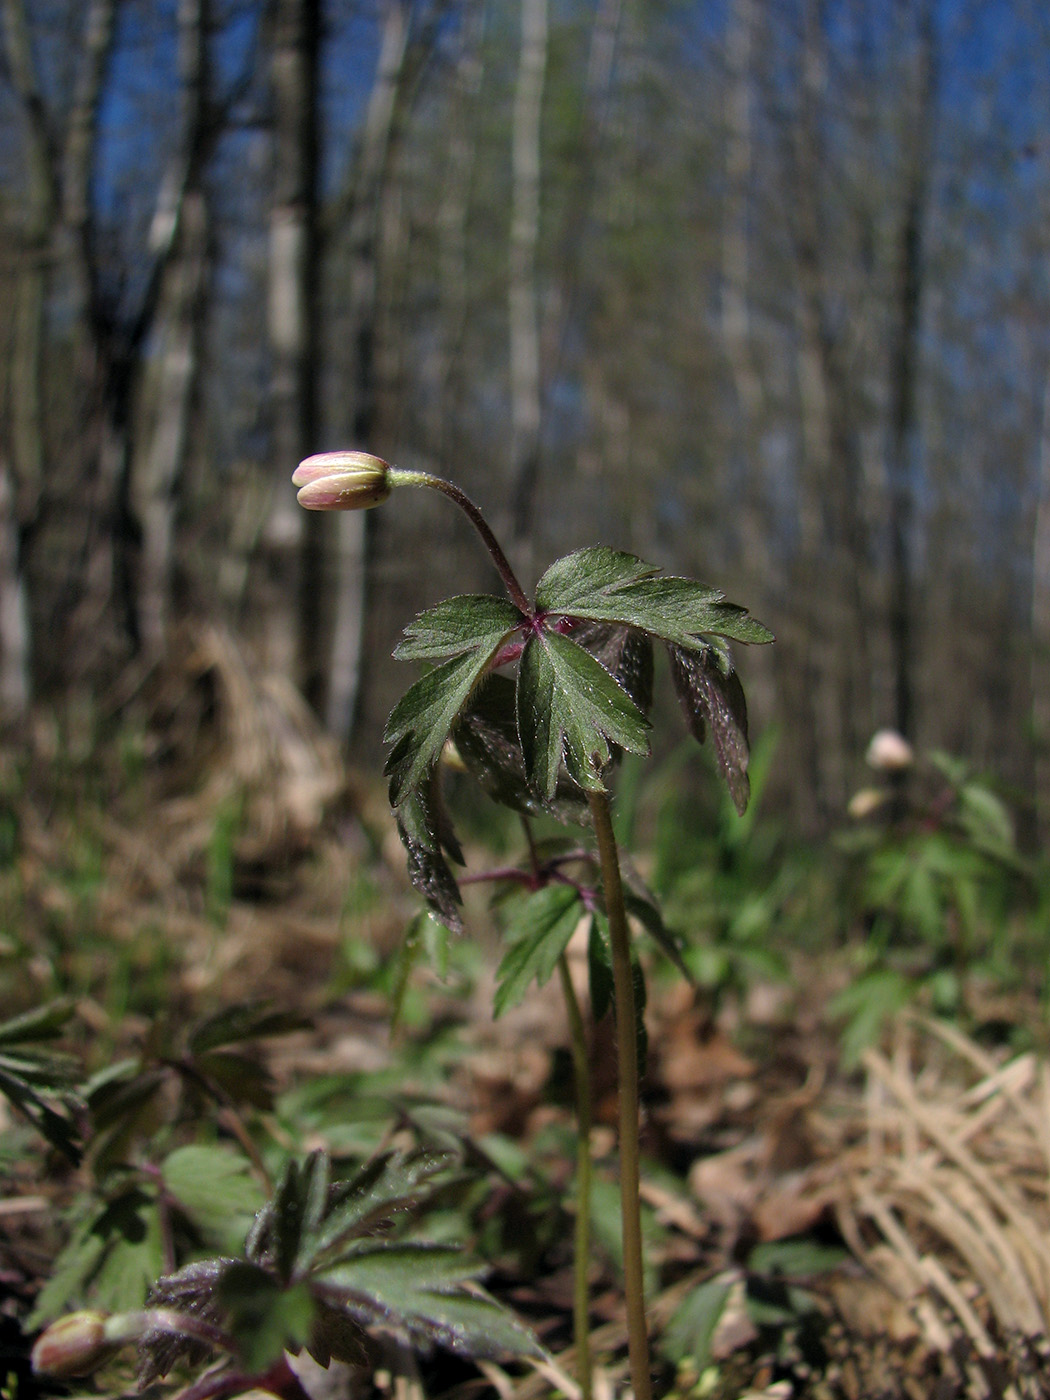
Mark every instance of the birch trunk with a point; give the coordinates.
(363, 201)
(294, 638)
(904, 375)
(525, 405)
(181, 224)
(1040, 622)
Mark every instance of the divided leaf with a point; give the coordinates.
(571, 708)
(541, 929)
(425, 1294)
(37, 1080)
(420, 722)
(471, 622)
(605, 585)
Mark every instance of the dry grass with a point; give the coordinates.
(949, 1204)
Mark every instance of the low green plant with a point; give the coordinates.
(933, 876)
(330, 1265)
(538, 697)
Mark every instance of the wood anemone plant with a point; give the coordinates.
(539, 696)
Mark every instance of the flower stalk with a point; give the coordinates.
(627, 1062)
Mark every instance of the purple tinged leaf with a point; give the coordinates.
(193, 1290)
(711, 696)
(426, 833)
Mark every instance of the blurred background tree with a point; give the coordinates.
(755, 288)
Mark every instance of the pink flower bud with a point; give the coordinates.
(889, 751)
(342, 481)
(75, 1345)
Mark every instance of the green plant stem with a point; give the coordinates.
(518, 596)
(627, 1057)
(582, 1242)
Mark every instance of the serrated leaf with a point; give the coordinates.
(54, 1126)
(587, 573)
(276, 1234)
(486, 738)
(120, 1101)
(469, 622)
(193, 1289)
(710, 696)
(240, 1078)
(247, 1021)
(40, 1023)
(689, 1333)
(606, 586)
(421, 720)
(541, 929)
(68, 1276)
(569, 708)
(385, 1188)
(428, 870)
(133, 1260)
(417, 1290)
(215, 1188)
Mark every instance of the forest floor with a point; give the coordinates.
(873, 1232)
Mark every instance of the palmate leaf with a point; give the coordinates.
(426, 1295)
(37, 1080)
(540, 929)
(470, 622)
(244, 1021)
(605, 585)
(570, 708)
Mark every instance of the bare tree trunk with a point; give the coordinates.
(525, 407)
(833, 551)
(296, 540)
(904, 374)
(452, 225)
(736, 330)
(363, 201)
(56, 235)
(1040, 649)
(22, 467)
(14, 611)
(156, 474)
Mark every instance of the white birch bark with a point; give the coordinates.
(365, 202)
(523, 307)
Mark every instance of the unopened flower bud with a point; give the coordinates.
(342, 481)
(75, 1345)
(889, 751)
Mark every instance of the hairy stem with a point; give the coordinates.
(582, 1242)
(627, 1058)
(518, 596)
